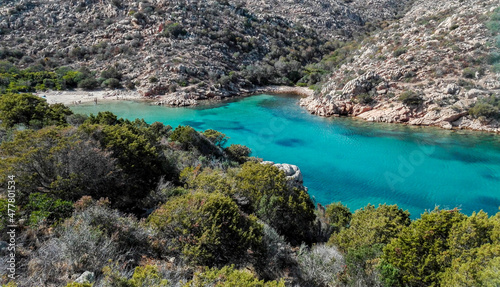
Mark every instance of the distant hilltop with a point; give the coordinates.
(195, 49)
(438, 65)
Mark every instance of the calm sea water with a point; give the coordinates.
(348, 160)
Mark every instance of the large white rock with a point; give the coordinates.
(292, 172)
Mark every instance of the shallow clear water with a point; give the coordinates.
(349, 160)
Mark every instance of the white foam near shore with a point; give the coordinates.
(78, 97)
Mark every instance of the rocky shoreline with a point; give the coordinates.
(389, 112)
(395, 112)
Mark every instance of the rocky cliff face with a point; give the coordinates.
(187, 49)
(431, 67)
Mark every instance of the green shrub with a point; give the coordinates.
(410, 98)
(111, 83)
(143, 276)
(27, 108)
(206, 228)
(72, 167)
(190, 139)
(42, 208)
(469, 73)
(174, 30)
(229, 277)
(370, 226)
(399, 51)
(487, 107)
(418, 251)
(364, 98)
(111, 73)
(238, 153)
(88, 84)
(287, 209)
(338, 216)
(74, 284)
(217, 138)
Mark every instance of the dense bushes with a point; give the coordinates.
(206, 228)
(488, 108)
(287, 209)
(410, 98)
(443, 239)
(370, 226)
(59, 162)
(37, 78)
(30, 111)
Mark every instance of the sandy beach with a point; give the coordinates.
(78, 97)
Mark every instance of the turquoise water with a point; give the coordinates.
(349, 160)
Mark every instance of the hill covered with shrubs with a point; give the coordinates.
(103, 201)
(197, 49)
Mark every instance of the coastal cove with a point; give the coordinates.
(348, 160)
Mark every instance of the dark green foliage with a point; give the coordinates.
(469, 73)
(486, 107)
(287, 209)
(338, 216)
(362, 263)
(174, 30)
(137, 156)
(190, 139)
(419, 252)
(44, 209)
(364, 99)
(31, 79)
(217, 138)
(238, 153)
(88, 84)
(111, 73)
(30, 110)
(112, 83)
(206, 228)
(410, 98)
(370, 226)
(143, 276)
(399, 51)
(59, 162)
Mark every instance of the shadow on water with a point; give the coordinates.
(197, 125)
(488, 201)
(290, 142)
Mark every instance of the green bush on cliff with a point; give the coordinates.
(206, 228)
(410, 98)
(487, 108)
(370, 226)
(287, 209)
(419, 252)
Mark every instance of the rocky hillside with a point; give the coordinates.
(190, 49)
(438, 65)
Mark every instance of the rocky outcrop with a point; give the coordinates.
(292, 173)
(86, 277)
(424, 69)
